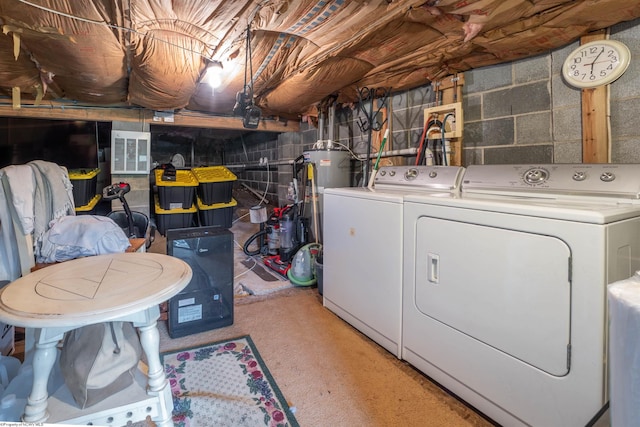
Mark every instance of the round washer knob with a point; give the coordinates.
(579, 176)
(411, 173)
(536, 176)
(607, 177)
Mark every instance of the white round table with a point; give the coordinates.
(65, 296)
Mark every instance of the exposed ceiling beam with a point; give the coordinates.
(60, 111)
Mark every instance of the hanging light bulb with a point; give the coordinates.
(213, 74)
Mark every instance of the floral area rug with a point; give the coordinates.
(224, 384)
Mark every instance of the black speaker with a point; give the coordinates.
(207, 301)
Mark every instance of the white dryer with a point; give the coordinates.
(362, 247)
(505, 286)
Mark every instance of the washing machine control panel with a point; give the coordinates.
(422, 177)
(614, 180)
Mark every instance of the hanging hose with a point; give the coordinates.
(432, 125)
(250, 240)
(444, 145)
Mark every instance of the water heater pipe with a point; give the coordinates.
(391, 153)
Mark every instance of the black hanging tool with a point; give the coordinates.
(370, 122)
(245, 105)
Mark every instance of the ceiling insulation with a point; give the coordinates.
(153, 53)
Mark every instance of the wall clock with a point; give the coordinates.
(596, 63)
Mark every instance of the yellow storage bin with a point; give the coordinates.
(167, 219)
(178, 194)
(84, 183)
(215, 184)
(90, 207)
(217, 214)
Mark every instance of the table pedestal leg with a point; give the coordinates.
(44, 356)
(158, 384)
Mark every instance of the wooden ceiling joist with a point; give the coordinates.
(59, 111)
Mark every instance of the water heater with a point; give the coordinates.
(333, 167)
(332, 170)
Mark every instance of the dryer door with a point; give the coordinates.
(509, 289)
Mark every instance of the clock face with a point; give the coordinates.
(596, 63)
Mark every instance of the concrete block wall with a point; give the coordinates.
(508, 113)
(524, 112)
(407, 118)
(243, 157)
(625, 99)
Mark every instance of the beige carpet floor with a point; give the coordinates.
(330, 373)
(327, 370)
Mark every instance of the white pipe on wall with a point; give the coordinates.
(260, 164)
(391, 153)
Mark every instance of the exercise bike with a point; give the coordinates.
(135, 224)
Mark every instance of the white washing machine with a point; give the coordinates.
(505, 286)
(362, 247)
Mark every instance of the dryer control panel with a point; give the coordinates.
(608, 180)
(439, 178)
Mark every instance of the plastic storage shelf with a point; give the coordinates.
(178, 194)
(215, 184)
(217, 214)
(84, 185)
(167, 219)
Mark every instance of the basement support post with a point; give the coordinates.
(595, 117)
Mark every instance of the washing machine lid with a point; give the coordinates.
(365, 193)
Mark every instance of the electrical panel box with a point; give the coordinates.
(207, 301)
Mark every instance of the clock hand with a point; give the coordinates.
(596, 58)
